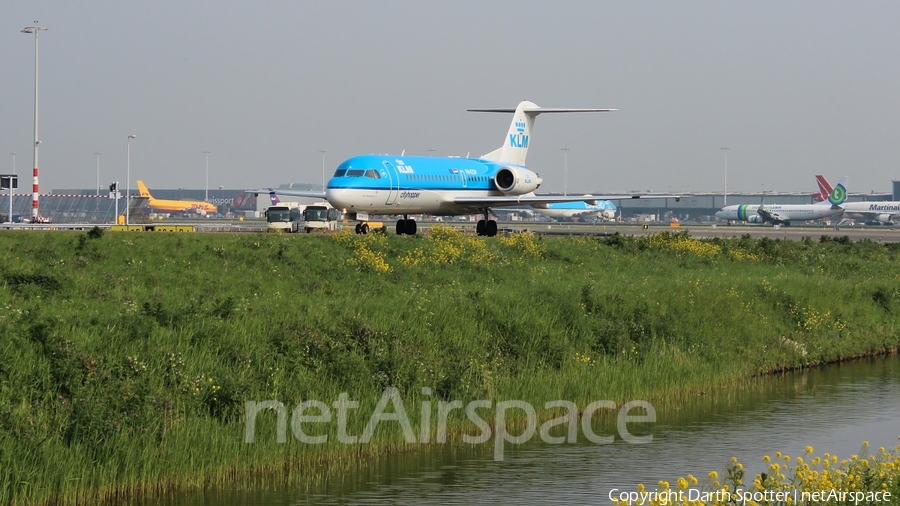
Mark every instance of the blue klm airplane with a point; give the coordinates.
(447, 186)
(603, 209)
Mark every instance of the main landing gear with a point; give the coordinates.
(362, 228)
(406, 226)
(486, 226)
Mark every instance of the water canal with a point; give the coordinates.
(832, 408)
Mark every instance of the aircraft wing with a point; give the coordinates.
(289, 193)
(538, 200)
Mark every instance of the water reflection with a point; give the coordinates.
(832, 408)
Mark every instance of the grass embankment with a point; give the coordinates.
(126, 360)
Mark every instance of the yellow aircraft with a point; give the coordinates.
(175, 206)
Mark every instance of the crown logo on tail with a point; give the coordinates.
(520, 126)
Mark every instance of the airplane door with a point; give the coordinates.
(393, 181)
(462, 176)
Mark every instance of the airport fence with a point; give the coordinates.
(97, 209)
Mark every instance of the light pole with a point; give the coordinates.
(11, 188)
(207, 176)
(565, 170)
(34, 191)
(725, 189)
(323, 169)
(128, 179)
(98, 172)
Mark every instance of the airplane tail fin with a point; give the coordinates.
(142, 189)
(273, 199)
(839, 193)
(515, 144)
(824, 188)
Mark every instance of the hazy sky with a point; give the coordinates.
(793, 88)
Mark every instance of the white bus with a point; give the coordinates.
(321, 216)
(284, 217)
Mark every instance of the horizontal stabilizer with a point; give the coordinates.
(515, 145)
(540, 110)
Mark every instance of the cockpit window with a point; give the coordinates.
(373, 174)
(355, 172)
(340, 172)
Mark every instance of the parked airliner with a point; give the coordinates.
(567, 210)
(875, 213)
(448, 186)
(785, 214)
(175, 206)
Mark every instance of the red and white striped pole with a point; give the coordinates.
(34, 195)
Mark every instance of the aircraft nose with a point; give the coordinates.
(720, 215)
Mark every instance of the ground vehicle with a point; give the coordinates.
(321, 216)
(284, 217)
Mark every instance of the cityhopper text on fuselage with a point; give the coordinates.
(368, 185)
(779, 214)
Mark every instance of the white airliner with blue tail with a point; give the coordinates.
(448, 186)
(603, 209)
(785, 214)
